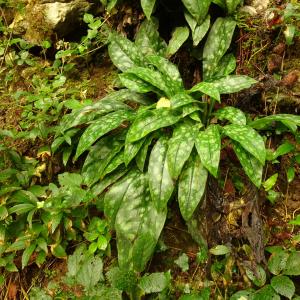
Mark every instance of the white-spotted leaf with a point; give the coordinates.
(267, 121)
(231, 114)
(131, 150)
(232, 5)
(179, 36)
(207, 88)
(226, 65)
(148, 6)
(198, 9)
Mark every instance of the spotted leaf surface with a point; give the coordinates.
(231, 114)
(141, 157)
(137, 233)
(233, 83)
(179, 36)
(180, 147)
(232, 5)
(189, 109)
(131, 150)
(208, 89)
(182, 99)
(198, 9)
(115, 195)
(169, 70)
(249, 139)
(191, 188)
(226, 65)
(114, 164)
(252, 167)
(160, 181)
(124, 53)
(208, 145)
(150, 121)
(148, 6)
(217, 43)
(153, 78)
(100, 127)
(148, 39)
(98, 158)
(267, 121)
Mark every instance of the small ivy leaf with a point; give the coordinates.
(270, 182)
(252, 167)
(148, 6)
(226, 66)
(283, 285)
(217, 43)
(150, 121)
(154, 78)
(208, 145)
(124, 53)
(131, 150)
(160, 182)
(207, 88)
(232, 114)
(192, 183)
(179, 36)
(180, 147)
(267, 121)
(232, 5)
(292, 266)
(248, 138)
(172, 75)
(233, 83)
(148, 39)
(183, 262)
(99, 128)
(27, 254)
(197, 9)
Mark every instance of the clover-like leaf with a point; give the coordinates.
(100, 127)
(197, 9)
(208, 145)
(150, 121)
(217, 43)
(180, 147)
(160, 181)
(179, 36)
(252, 166)
(232, 114)
(249, 139)
(148, 6)
(192, 183)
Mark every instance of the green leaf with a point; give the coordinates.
(270, 182)
(208, 145)
(292, 266)
(198, 30)
(69, 179)
(232, 114)
(182, 99)
(155, 282)
(226, 65)
(217, 43)
(179, 36)
(137, 234)
(150, 121)
(124, 53)
(220, 250)
(152, 77)
(100, 127)
(249, 139)
(233, 83)
(241, 295)
(21, 208)
(265, 293)
(269, 120)
(180, 147)
(160, 182)
(252, 167)
(283, 286)
(148, 6)
(183, 262)
(114, 164)
(148, 39)
(283, 149)
(198, 9)
(258, 277)
(208, 89)
(27, 254)
(232, 5)
(111, 5)
(142, 154)
(192, 183)
(131, 150)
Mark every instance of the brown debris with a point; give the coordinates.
(290, 79)
(279, 49)
(274, 63)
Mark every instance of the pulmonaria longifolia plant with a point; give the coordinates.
(154, 139)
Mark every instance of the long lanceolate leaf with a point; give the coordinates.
(179, 36)
(197, 8)
(180, 147)
(160, 181)
(231, 114)
(192, 184)
(148, 6)
(208, 145)
(150, 121)
(218, 41)
(124, 53)
(249, 139)
(100, 127)
(131, 150)
(267, 121)
(252, 167)
(138, 225)
(232, 5)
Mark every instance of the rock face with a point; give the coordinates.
(42, 18)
